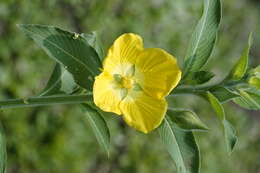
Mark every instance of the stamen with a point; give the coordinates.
(127, 82)
(118, 78)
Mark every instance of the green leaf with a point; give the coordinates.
(230, 135)
(3, 154)
(99, 126)
(60, 82)
(250, 99)
(204, 36)
(68, 49)
(240, 67)
(186, 119)
(181, 146)
(94, 41)
(229, 131)
(223, 94)
(199, 77)
(216, 105)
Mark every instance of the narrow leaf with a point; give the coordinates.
(99, 126)
(199, 77)
(230, 135)
(223, 94)
(216, 105)
(186, 119)
(60, 82)
(250, 99)
(3, 154)
(68, 49)
(229, 131)
(240, 67)
(94, 41)
(204, 36)
(181, 146)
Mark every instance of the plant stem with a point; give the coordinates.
(83, 98)
(200, 89)
(190, 90)
(45, 100)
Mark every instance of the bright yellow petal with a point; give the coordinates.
(157, 72)
(143, 112)
(123, 52)
(106, 94)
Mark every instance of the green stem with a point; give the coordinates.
(45, 100)
(201, 89)
(192, 89)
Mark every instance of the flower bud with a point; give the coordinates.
(254, 77)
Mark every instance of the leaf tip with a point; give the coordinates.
(250, 39)
(232, 146)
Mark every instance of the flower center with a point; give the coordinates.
(127, 82)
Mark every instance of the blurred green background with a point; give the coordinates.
(59, 140)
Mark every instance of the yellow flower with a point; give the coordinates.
(135, 81)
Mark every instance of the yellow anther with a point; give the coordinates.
(127, 82)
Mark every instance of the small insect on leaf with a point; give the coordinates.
(76, 35)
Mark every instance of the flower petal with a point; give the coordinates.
(123, 52)
(106, 94)
(157, 72)
(143, 112)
